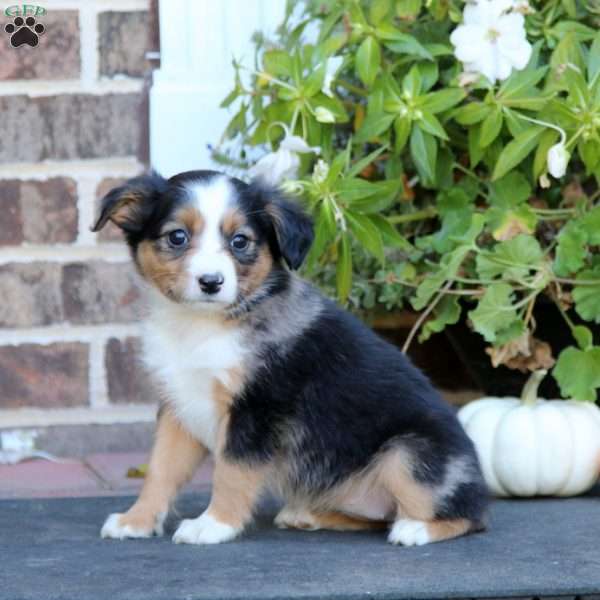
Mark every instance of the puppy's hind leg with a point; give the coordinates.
(427, 513)
(174, 459)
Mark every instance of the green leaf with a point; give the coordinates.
(508, 334)
(510, 260)
(494, 311)
(578, 373)
(475, 150)
(427, 288)
(540, 160)
(443, 100)
(509, 191)
(402, 43)
(314, 82)
(402, 127)
(411, 84)
(366, 233)
(506, 223)
(516, 151)
(374, 125)
(361, 164)
(423, 149)
(385, 195)
(590, 223)
(587, 297)
(344, 268)
(390, 234)
(583, 336)
(325, 231)
(378, 9)
(429, 76)
(334, 105)
(354, 189)
(278, 63)
(472, 113)
(589, 152)
(490, 128)
(571, 250)
(430, 124)
(408, 9)
(581, 32)
(594, 59)
(368, 60)
(520, 82)
(447, 312)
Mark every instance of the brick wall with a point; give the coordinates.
(73, 123)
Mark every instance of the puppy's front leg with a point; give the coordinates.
(174, 459)
(236, 488)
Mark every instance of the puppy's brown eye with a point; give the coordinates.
(239, 242)
(178, 238)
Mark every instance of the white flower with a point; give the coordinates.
(274, 167)
(492, 40)
(523, 7)
(320, 171)
(331, 68)
(558, 159)
(324, 115)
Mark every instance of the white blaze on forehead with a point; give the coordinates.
(212, 199)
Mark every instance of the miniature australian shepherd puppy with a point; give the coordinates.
(287, 391)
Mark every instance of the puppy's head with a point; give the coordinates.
(207, 240)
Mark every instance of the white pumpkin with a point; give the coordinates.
(533, 447)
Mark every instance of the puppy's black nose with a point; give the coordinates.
(211, 282)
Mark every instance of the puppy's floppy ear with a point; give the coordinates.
(293, 228)
(131, 204)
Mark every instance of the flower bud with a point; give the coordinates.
(324, 115)
(558, 159)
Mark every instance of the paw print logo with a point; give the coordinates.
(24, 31)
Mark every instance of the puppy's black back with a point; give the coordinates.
(348, 396)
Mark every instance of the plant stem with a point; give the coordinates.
(352, 88)
(420, 215)
(424, 315)
(530, 389)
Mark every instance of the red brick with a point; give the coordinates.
(31, 294)
(39, 212)
(11, 226)
(48, 376)
(99, 292)
(122, 43)
(128, 382)
(70, 126)
(55, 57)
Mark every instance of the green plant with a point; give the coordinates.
(430, 185)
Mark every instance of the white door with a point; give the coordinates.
(198, 40)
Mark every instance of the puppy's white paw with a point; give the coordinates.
(204, 530)
(116, 527)
(409, 532)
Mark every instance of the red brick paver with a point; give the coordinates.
(97, 475)
(46, 479)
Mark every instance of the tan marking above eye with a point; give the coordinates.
(234, 221)
(187, 218)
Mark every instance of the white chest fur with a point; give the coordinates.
(187, 352)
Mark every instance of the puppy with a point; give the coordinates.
(287, 391)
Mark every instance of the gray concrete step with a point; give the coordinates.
(51, 550)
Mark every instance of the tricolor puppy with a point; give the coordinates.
(288, 392)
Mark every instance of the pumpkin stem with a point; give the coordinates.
(530, 389)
